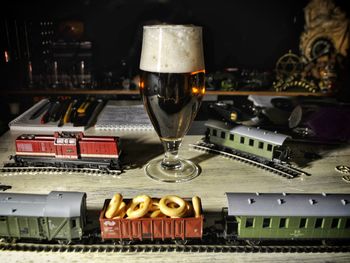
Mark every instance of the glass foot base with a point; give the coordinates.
(186, 172)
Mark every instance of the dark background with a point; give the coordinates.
(240, 33)
(249, 34)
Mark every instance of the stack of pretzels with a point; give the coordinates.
(145, 206)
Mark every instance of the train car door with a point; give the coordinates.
(146, 229)
(4, 228)
(66, 148)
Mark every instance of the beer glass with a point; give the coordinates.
(172, 87)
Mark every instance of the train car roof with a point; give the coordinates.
(250, 132)
(273, 204)
(55, 204)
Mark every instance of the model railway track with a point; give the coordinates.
(12, 169)
(151, 248)
(284, 170)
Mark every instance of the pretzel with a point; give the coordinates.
(113, 206)
(121, 211)
(165, 208)
(188, 211)
(139, 206)
(156, 213)
(196, 202)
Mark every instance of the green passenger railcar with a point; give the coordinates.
(289, 216)
(56, 216)
(250, 140)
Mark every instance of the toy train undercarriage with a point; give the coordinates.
(91, 163)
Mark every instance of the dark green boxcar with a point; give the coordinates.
(56, 216)
(290, 216)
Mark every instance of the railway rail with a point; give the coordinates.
(284, 170)
(158, 248)
(10, 169)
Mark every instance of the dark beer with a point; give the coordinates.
(172, 100)
(172, 87)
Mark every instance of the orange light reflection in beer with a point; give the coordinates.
(7, 57)
(197, 90)
(198, 71)
(141, 84)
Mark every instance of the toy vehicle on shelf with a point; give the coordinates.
(62, 216)
(69, 150)
(262, 144)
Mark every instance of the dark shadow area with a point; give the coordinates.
(303, 154)
(137, 152)
(202, 158)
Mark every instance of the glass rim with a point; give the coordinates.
(156, 26)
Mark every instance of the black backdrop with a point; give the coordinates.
(239, 33)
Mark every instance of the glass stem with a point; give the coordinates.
(170, 160)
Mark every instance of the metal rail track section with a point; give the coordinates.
(12, 170)
(284, 170)
(158, 248)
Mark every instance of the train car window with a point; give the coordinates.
(283, 222)
(347, 223)
(223, 134)
(251, 142)
(2, 218)
(335, 223)
(302, 223)
(74, 223)
(261, 145)
(214, 132)
(231, 137)
(319, 222)
(242, 140)
(249, 222)
(266, 222)
(269, 147)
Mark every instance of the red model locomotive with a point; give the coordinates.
(69, 150)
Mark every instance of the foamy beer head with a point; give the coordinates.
(172, 49)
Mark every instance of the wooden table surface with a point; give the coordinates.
(218, 175)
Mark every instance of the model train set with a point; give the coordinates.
(249, 217)
(304, 222)
(254, 146)
(67, 151)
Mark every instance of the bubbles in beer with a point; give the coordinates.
(172, 49)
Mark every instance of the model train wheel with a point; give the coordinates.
(232, 242)
(64, 242)
(8, 240)
(123, 242)
(253, 242)
(328, 242)
(181, 242)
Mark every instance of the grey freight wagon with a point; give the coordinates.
(56, 216)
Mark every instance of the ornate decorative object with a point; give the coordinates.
(326, 30)
(323, 45)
